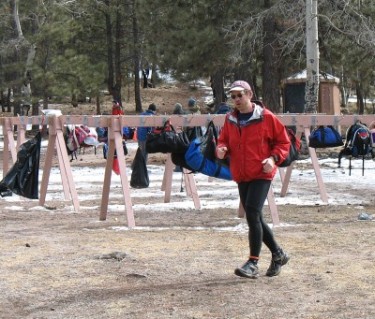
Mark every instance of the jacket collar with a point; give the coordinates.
(257, 113)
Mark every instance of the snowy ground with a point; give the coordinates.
(342, 188)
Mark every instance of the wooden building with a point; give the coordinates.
(293, 96)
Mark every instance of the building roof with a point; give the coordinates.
(301, 77)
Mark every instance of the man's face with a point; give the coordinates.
(239, 97)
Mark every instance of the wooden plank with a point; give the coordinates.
(286, 179)
(191, 188)
(117, 131)
(300, 120)
(318, 174)
(168, 179)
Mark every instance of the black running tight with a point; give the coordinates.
(253, 195)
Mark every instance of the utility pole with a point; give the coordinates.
(312, 57)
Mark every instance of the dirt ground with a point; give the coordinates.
(165, 97)
(56, 263)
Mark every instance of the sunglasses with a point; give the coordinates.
(239, 95)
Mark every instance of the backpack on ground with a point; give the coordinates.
(357, 144)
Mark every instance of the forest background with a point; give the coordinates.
(55, 50)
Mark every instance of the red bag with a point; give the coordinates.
(116, 166)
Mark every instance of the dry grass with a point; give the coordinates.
(55, 265)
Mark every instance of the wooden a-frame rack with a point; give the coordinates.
(56, 143)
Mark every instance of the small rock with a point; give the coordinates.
(134, 275)
(50, 207)
(364, 216)
(116, 255)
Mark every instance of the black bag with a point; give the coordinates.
(167, 140)
(23, 177)
(179, 160)
(325, 136)
(209, 142)
(193, 132)
(295, 147)
(208, 145)
(5, 191)
(139, 177)
(209, 148)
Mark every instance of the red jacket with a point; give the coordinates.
(117, 110)
(262, 136)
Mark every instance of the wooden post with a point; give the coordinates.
(9, 145)
(318, 174)
(285, 179)
(56, 142)
(115, 143)
(190, 185)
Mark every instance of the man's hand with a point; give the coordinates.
(268, 164)
(221, 151)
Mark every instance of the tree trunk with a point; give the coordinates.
(110, 75)
(74, 101)
(359, 93)
(218, 88)
(118, 74)
(2, 101)
(17, 19)
(17, 108)
(136, 61)
(8, 102)
(312, 58)
(153, 75)
(270, 71)
(97, 101)
(26, 85)
(35, 112)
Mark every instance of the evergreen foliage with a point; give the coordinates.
(74, 48)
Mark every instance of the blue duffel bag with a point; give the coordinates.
(325, 136)
(198, 162)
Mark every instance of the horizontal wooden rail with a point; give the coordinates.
(302, 120)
